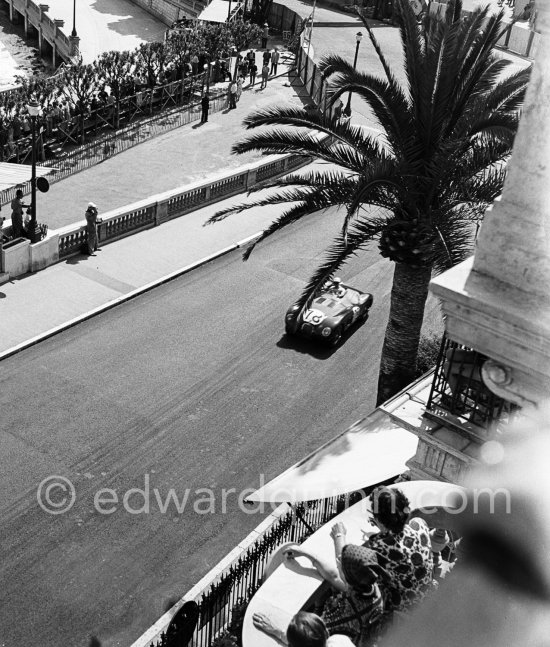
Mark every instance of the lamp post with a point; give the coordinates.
(207, 74)
(73, 33)
(33, 108)
(358, 37)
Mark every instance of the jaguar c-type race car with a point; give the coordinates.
(332, 311)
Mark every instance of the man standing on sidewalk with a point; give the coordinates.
(253, 72)
(265, 35)
(17, 214)
(205, 106)
(92, 222)
(274, 61)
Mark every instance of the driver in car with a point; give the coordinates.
(337, 289)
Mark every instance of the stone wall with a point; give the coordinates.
(170, 10)
(165, 10)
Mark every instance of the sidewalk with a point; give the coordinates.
(178, 157)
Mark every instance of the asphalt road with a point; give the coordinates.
(193, 385)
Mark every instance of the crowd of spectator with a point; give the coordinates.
(370, 585)
(77, 90)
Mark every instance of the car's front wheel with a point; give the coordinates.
(364, 316)
(336, 337)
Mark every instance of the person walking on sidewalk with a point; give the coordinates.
(253, 72)
(265, 35)
(205, 106)
(92, 222)
(265, 76)
(274, 61)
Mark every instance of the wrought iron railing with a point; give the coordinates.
(223, 604)
(458, 389)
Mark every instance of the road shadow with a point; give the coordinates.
(128, 25)
(2, 295)
(76, 260)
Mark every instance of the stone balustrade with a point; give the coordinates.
(147, 213)
(35, 16)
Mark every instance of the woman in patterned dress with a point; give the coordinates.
(403, 548)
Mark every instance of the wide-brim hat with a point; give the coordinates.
(91, 205)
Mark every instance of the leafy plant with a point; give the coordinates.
(428, 352)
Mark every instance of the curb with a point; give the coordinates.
(125, 297)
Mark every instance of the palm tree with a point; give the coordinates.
(419, 190)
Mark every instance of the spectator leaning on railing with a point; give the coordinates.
(355, 605)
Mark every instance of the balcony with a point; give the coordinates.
(458, 396)
(452, 413)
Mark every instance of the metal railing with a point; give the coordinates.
(62, 133)
(458, 389)
(222, 605)
(112, 143)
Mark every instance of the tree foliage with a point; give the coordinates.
(417, 191)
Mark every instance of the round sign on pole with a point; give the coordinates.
(42, 184)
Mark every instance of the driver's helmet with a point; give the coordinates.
(337, 282)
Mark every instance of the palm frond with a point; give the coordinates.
(341, 250)
(387, 100)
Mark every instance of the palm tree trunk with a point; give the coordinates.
(408, 300)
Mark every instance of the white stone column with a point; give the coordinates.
(500, 303)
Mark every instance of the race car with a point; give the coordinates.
(330, 313)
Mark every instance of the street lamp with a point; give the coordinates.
(73, 33)
(34, 110)
(358, 37)
(206, 68)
